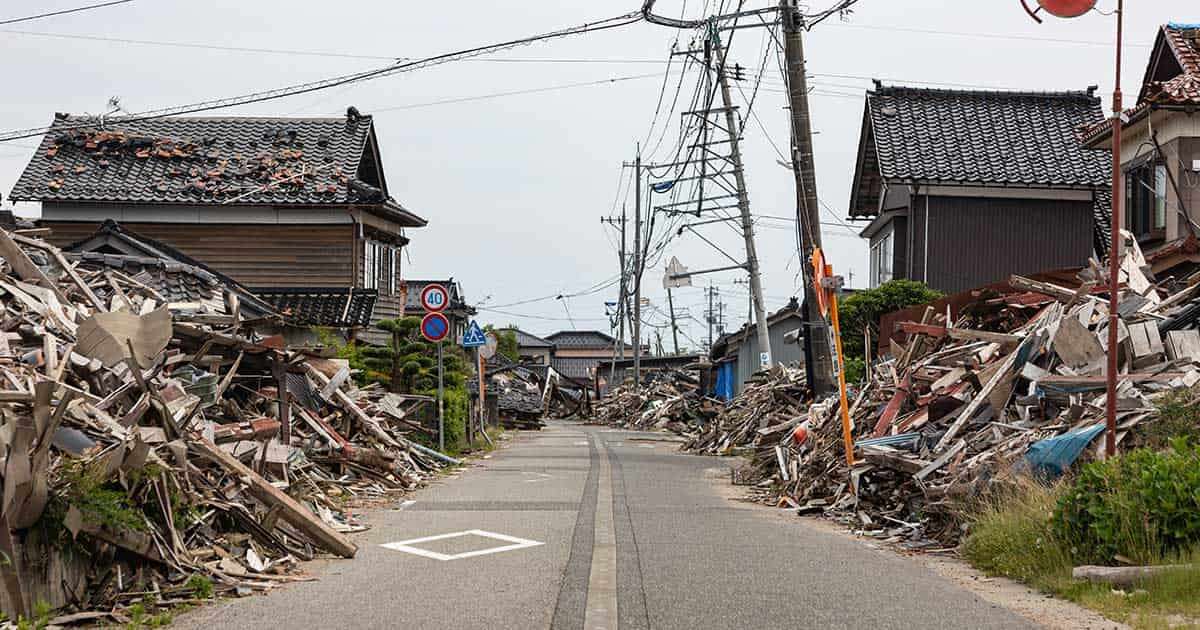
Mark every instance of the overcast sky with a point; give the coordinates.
(514, 186)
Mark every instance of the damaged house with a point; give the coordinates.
(295, 209)
(1160, 153)
(963, 188)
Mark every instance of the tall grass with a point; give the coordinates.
(1011, 534)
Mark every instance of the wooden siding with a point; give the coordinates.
(255, 255)
(976, 241)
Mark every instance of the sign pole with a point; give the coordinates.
(482, 391)
(441, 411)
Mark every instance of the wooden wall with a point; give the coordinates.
(975, 241)
(254, 254)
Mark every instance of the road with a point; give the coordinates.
(610, 529)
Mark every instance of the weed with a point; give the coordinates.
(1178, 417)
(201, 586)
(1012, 535)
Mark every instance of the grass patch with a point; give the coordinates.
(1013, 534)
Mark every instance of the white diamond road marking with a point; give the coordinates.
(407, 545)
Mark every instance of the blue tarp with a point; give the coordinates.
(724, 386)
(1052, 457)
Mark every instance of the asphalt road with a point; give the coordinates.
(595, 519)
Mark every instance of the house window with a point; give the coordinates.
(380, 266)
(1146, 200)
(881, 258)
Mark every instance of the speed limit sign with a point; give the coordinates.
(435, 298)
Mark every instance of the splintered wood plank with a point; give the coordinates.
(1077, 346)
(1183, 344)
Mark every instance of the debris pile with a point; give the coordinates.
(171, 449)
(1015, 380)
(764, 407)
(669, 399)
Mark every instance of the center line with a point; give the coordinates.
(601, 612)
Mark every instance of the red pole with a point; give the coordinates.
(1114, 262)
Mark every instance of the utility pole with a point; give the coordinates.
(674, 326)
(619, 350)
(819, 355)
(637, 273)
(708, 316)
(756, 291)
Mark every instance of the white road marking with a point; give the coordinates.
(407, 545)
(601, 610)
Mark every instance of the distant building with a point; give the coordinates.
(532, 349)
(458, 312)
(578, 352)
(964, 188)
(735, 355)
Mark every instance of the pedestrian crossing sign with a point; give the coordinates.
(474, 336)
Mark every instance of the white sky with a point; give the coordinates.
(514, 186)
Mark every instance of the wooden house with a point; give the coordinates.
(296, 209)
(965, 187)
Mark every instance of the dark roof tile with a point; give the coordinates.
(983, 137)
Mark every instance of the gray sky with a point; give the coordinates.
(514, 186)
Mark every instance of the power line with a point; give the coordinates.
(64, 12)
(550, 88)
(310, 53)
(323, 84)
(977, 34)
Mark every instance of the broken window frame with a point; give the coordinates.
(380, 266)
(1146, 200)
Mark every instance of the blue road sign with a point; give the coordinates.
(474, 336)
(435, 327)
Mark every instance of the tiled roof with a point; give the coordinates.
(579, 369)
(1102, 227)
(526, 340)
(1172, 79)
(337, 307)
(277, 161)
(581, 339)
(1184, 40)
(979, 138)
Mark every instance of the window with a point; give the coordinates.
(1146, 200)
(882, 255)
(380, 266)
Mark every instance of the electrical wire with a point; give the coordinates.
(63, 12)
(324, 84)
(481, 97)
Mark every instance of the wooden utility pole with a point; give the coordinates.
(743, 200)
(818, 354)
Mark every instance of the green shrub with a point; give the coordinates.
(1142, 505)
(863, 309)
(1012, 535)
(1178, 417)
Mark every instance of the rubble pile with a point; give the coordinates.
(765, 406)
(172, 450)
(669, 399)
(1016, 381)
